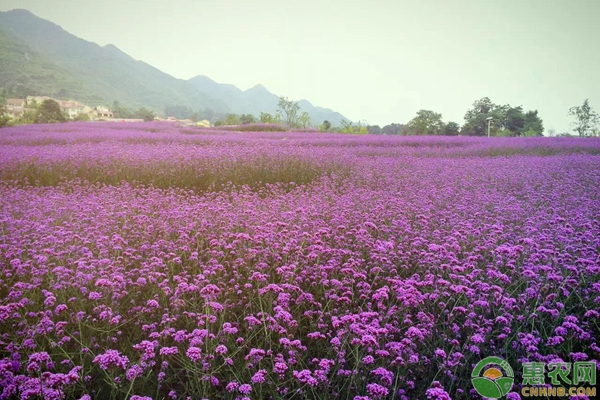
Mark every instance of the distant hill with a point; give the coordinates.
(25, 72)
(39, 57)
(258, 99)
(106, 71)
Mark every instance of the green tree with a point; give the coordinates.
(394, 129)
(29, 115)
(354, 129)
(514, 120)
(530, 133)
(289, 109)
(451, 129)
(266, 118)
(49, 112)
(325, 126)
(586, 120)
(504, 133)
(121, 112)
(145, 114)
(476, 123)
(82, 117)
(247, 119)
(304, 120)
(426, 122)
(533, 125)
(374, 130)
(231, 119)
(4, 119)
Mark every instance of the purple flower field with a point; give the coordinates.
(149, 261)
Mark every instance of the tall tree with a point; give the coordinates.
(426, 122)
(451, 129)
(304, 120)
(266, 118)
(533, 124)
(394, 129)
(374, 130)
(476, 117)
(360, 128)
(325, 126)
(121, 112)
(514, 120)
(144, 113)
(231, 119)
(247, 119)
(49, 112)
(278, 117)
(290, 109)
(4, 119)
(586, 120)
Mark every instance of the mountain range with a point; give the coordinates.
(38, 57)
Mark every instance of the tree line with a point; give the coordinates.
(487, 117)
(500, 120)
(483, 118)
(125, 113)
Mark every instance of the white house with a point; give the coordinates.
(103, 112)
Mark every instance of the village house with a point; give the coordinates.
(71, 107)
(103, 112)
(15, 108)
(15, 112)
(15, 103)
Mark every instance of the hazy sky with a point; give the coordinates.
(376, 60)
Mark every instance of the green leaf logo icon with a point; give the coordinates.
(489, 380)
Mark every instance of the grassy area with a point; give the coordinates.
(201, 175)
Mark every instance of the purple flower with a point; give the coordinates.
(280, 368)
(440, 353)
(221, 349)
(305, 376)
(231, 386)
(259, 376)
(194, 353)
(245, 388)
(437, 392)
(111, 358)
(167, 351)
(377, 391)
(135, 371)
